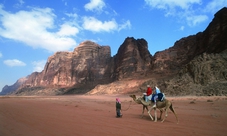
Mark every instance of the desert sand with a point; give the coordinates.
(83, 115)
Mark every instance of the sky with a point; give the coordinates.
(33, 30)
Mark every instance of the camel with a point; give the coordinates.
(162, 106)
(138, 101)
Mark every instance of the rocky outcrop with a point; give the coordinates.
(199, 61)
(88, 65)
(212, 40)
(10, 89)
(206, 74)
(195, 65)
(132, 59)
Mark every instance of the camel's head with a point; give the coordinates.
(137, 100)
(133, 96)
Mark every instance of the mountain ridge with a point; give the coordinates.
(91, 69)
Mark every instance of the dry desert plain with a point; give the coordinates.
(94, 115)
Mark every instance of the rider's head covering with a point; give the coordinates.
(118, 100)
(148, 85)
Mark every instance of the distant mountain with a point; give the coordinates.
(195, 65)
(10, 89)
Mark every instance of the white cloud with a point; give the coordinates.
(95, 5)
(182, 28)
(214, 5)
(170, 4)
(126, 25)
(95, 25)
(14, 62)
(35, 28)
(73, 15)
(186, 10)
(0, 54)
(19, 4)
(194, 20)
(38, 65)
(67, 30)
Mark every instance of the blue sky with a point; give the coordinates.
(31, 31)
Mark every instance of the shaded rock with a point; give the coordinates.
(212, 40)
(132, 59)
(204, 75)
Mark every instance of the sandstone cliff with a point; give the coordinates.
(88, 65)
(195, 65)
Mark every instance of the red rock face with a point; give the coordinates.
(89, 64)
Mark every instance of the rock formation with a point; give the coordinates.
(10, 89)
(206, 74)
(195, 65)
(199, 61)
(212, 40)
(132, 59)
(88, 65)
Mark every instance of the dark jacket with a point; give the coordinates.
(118, 105)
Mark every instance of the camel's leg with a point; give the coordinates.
(172, 109)
(166, 114)
(143, 111)
(161, 111)
(155, 115)
(146, 108)
(150, 113)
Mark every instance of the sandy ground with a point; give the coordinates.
(80, 115)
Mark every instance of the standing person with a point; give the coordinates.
(118, 108)
(148, 94)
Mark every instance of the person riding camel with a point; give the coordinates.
(148, 94)
(157, 96)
